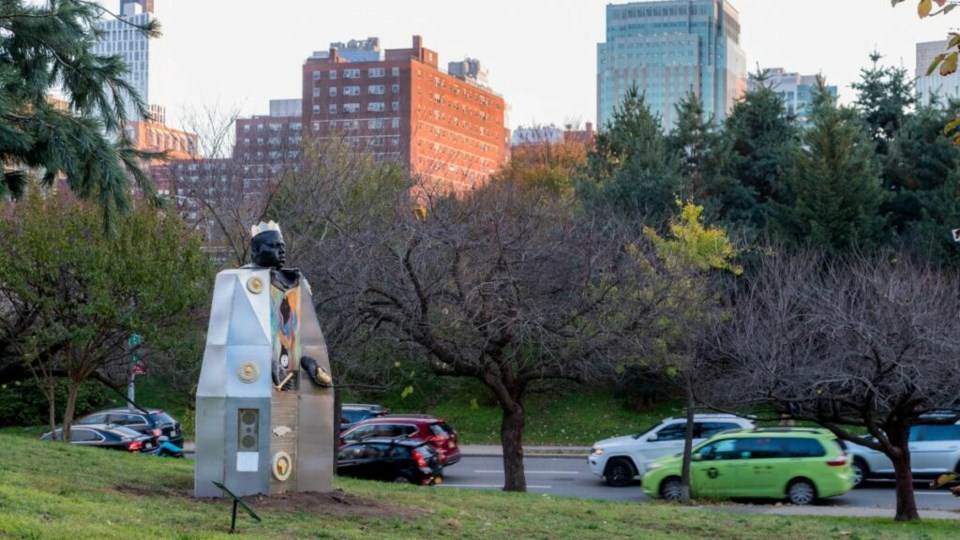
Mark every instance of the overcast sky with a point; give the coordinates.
(541, 54)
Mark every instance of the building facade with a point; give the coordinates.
(446, 127)
(795, 89)
(929, 87)
(667, 48)
(121, 39)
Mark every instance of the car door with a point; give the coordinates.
(935, 448)
(358, 460)
(715, 469)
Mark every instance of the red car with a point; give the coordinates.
(420, 427)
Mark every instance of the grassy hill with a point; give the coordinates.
(53, 491)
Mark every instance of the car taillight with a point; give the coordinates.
(135, 446)
(839, 462)
(421, 461)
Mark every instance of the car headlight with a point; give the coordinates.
(654, 466)
(596, 451)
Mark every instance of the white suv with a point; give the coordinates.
(934, 450)
(620, 459)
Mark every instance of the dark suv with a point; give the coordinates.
(404, 461)
(351, 413)
(421, 427)
(153, 422)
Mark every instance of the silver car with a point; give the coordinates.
(934, 450)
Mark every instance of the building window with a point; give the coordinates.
(351, 107)
(316, 109)
(376, 89)
(375, 106)
(375, 123)
(316, 92)
(395, 88)
(395, 123)
(395, 106)
(351, 90)
(332, 91)
(395, 71)
(332, 108)
(375, 72)
(316, 75)
(332, 73)
(351, 74)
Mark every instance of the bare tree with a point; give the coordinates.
(508, 287)
(864, 343)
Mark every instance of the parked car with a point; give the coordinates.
(391, 460)
(797, 464)
(934, 450)
(105, 436)
(351, 413)
(621, 459)
(153, 422)
(420, 427)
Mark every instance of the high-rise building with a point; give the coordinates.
(928, 86)
(668, 48)
(121, 38)
(795, 89)
(448, 128)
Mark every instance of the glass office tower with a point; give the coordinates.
(666, 48)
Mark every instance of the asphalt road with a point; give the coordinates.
(571, 477)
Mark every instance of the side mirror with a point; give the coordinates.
(696, 457)
(652, 438)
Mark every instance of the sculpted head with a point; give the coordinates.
(266, 246)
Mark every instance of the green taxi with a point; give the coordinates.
(797, 464)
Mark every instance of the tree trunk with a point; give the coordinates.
(511, 438)
(906, 502)
(687, 447)
(73, 388)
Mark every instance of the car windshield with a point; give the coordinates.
(441, 429)
(162, 418)
(426, 450)
(644, 432)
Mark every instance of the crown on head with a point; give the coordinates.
(264, 227)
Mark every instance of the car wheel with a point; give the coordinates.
(801, 492)
(670, 489)
(619, 472)
(860, 472)
(401, 480)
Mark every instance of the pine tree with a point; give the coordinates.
(630, 170)
(832, 199)
(762, 136)
(49, 49)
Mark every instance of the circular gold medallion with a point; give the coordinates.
(282, 466)
(255, 285)
(248, 372)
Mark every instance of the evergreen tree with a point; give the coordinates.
(832, 198)
(46, 49)
(884, 95)
(761, 137)
(629, 170)
(701, 153)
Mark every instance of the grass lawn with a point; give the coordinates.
(52, 491)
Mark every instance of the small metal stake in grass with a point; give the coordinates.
(236, 501)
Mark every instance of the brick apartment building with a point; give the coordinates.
(448, 128)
